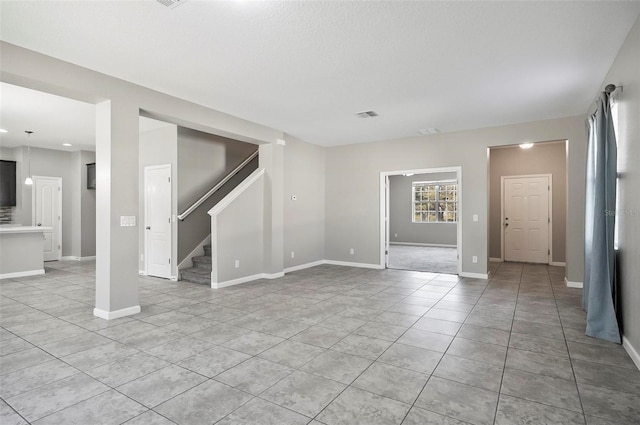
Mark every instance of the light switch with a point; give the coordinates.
(475, 217)
(127, 221)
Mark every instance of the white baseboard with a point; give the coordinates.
(110, 315)
(349, 264)
(633, 353)
(304, 266)
(21, 274)
(475, 275)
(246, 279)
(173, 278)
(272, 275)
(436, 245)
(74, 258)
(572, 284)
(558, 264)
(142, 272)
(495, 260)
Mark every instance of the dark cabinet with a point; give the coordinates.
(91, 176)
(7, 183)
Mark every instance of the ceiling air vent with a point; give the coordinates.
(171, 3)
(429, 131)
(367, 114)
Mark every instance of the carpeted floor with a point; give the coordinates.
(423, 258)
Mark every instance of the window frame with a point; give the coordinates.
(437, 211)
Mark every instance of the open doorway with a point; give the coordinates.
(421, 227)
(527, 203)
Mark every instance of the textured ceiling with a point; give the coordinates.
(307, 67)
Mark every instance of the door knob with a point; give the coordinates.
(39, 224)
(148, 227)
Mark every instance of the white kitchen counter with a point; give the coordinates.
(21, 251)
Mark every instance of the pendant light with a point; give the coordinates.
(28, 181)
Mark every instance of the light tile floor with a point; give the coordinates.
(327, 345)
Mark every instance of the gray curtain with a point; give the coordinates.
(599, 271)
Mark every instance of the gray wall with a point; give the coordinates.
(543, 158)
(78, 206)
(624, 71)
(353, 187)
(203, 160)
(238, 235)
(304, 217)
(400, 213)
(158, 147)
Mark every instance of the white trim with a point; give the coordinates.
(475, 275)
(572, 284)
(273, 275)
(75, 258)
(558, 263)
(197, 252)
(350, 264)
(110, 315)
(495, 260)
(304, 266)
(384, 201)
(33, 209)
(549, 212)
(173, 278)
(239, 189)
(437, 245)
(630, 349)
(21, 274)
(142, 272)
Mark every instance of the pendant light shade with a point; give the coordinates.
(28, 181)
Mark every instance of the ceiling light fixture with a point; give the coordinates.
(2, 130)
(367, 114)
(429, 131)
(527, 145)
(28, 181)
(67, 144)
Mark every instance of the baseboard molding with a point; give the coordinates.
(21, 274)
(435, 245)
(572, 284)
(74, 258)
(495, 260)
(633, 353)
(304, 266)
(349, 264)
(142, 272)
(475, 275)
(173, 278)
(558, 264)
(116, 314)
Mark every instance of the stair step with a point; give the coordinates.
(207, 250)
(196, 275)
(201, 260)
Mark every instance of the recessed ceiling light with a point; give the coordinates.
(67, 144)
(527, 145)
(2, 130)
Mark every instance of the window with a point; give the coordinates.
(435, 202)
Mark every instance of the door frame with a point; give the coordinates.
(33, 208)
(384, 209)
(146, 212)
(549, 212)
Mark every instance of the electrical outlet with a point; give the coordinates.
(237, 264)
(141, 257)
(474, 259)
(352, 251)
(293, 254)
(395, 235)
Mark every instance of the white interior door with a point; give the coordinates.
(526, 219)
(47, 207)
(158, 220)
(387, 235)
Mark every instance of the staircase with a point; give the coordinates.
(201, 270)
